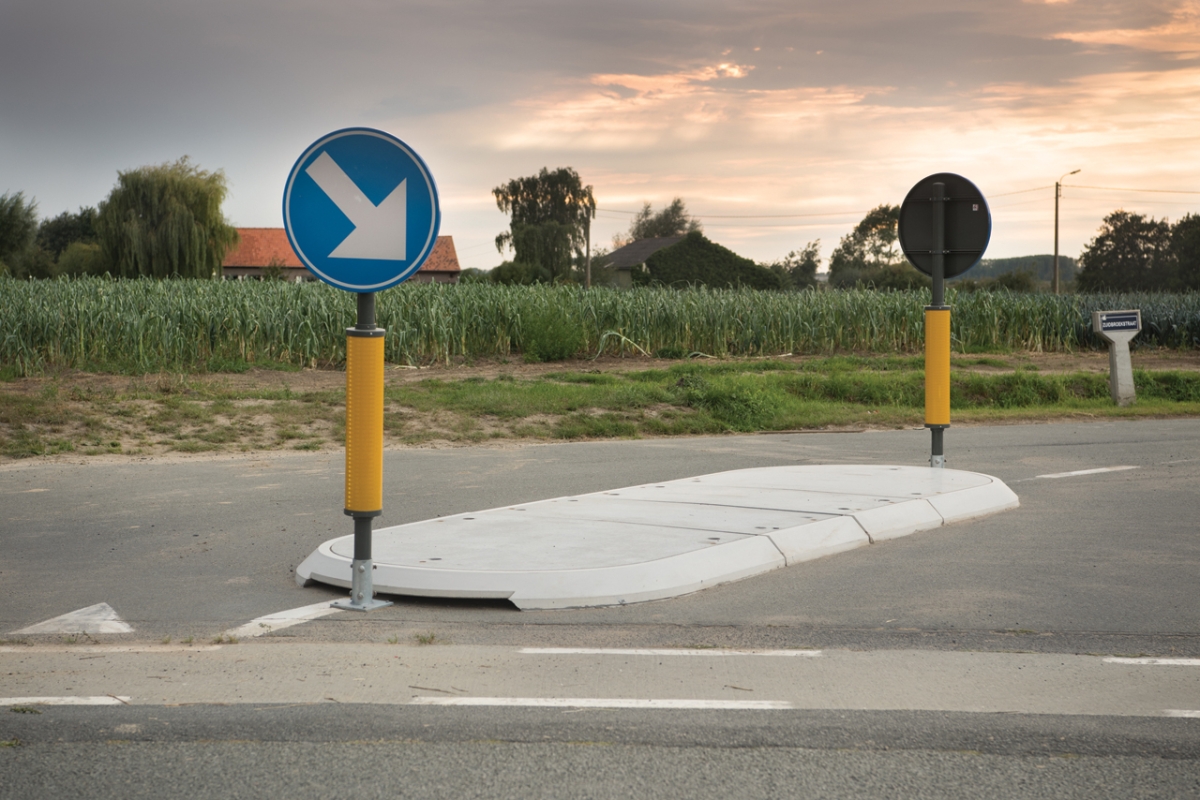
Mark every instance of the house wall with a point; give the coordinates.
(299, 275)
(435, 277)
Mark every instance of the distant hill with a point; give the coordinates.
(1042, 267)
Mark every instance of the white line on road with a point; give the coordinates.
(1180, 712)
(601, 702)
(614, 651)
(282, 619)
(1157, 662)
(1084, 472)
(103, 700)
(108, 648)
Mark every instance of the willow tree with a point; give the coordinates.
(551, 214)
(165, 221)
(18, 225)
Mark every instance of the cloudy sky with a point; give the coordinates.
(777, 122)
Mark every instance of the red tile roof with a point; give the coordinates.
(444, 258)
(259, 246)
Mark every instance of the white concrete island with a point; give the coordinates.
(661, 540)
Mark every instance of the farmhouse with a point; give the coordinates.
(681, 261)
(633, 256)
(266, 253)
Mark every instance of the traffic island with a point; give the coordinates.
(660, 540)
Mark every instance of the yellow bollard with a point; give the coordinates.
(364, 422)
(937, 367)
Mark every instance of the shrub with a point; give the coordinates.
(83, 258)
(550, 335)
(696, 261)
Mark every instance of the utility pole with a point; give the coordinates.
(1057, 194)
(587, 235)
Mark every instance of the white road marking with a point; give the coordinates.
(1185, 713)
(1085, 472)
(103, 700)
(282, 619)
(100, 618)
(601, 702)
(614, 651)
(109, 648)
(1157, 662)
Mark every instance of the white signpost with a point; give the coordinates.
(1118, 329)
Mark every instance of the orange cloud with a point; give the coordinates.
(1180, 36)
(729, 148)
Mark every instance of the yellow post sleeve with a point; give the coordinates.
(364, 424)
(937, 366)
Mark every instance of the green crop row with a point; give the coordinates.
(148, 325)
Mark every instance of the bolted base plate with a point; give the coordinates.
(366, 605)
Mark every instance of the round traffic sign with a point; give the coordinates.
(361, 210)
(967, 225)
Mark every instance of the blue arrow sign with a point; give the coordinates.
(361, 210)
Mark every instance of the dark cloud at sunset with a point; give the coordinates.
(748, 111)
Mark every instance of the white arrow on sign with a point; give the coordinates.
(379, 230)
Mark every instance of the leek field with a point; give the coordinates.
(142, 326)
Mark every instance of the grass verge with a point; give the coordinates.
(188, 415)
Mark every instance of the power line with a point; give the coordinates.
(1022, 203)
(778, 216)
(1120, 189)
(1023, 191)
(701, 215)
(756, 227)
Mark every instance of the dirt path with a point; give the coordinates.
(317, 380)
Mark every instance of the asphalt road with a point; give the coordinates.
(1100, 564)
(373, 751)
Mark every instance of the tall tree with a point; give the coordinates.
(550, 213)
(1185, 247)
(165, 221)
(1130, 253)
(871, 246)
(18, 225)
(55, 235)
(798, 269)
(673, 220)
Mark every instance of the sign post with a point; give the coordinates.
(1118, 329)
(361, 211)
(944, 229)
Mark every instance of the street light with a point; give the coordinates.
(1057, 194)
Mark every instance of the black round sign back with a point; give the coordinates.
(968, 224)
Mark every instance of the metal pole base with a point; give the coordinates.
(362, 592)
(937, 455)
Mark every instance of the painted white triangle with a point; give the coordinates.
(100, 618)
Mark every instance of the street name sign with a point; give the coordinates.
(361, 210)
(1111, 321)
